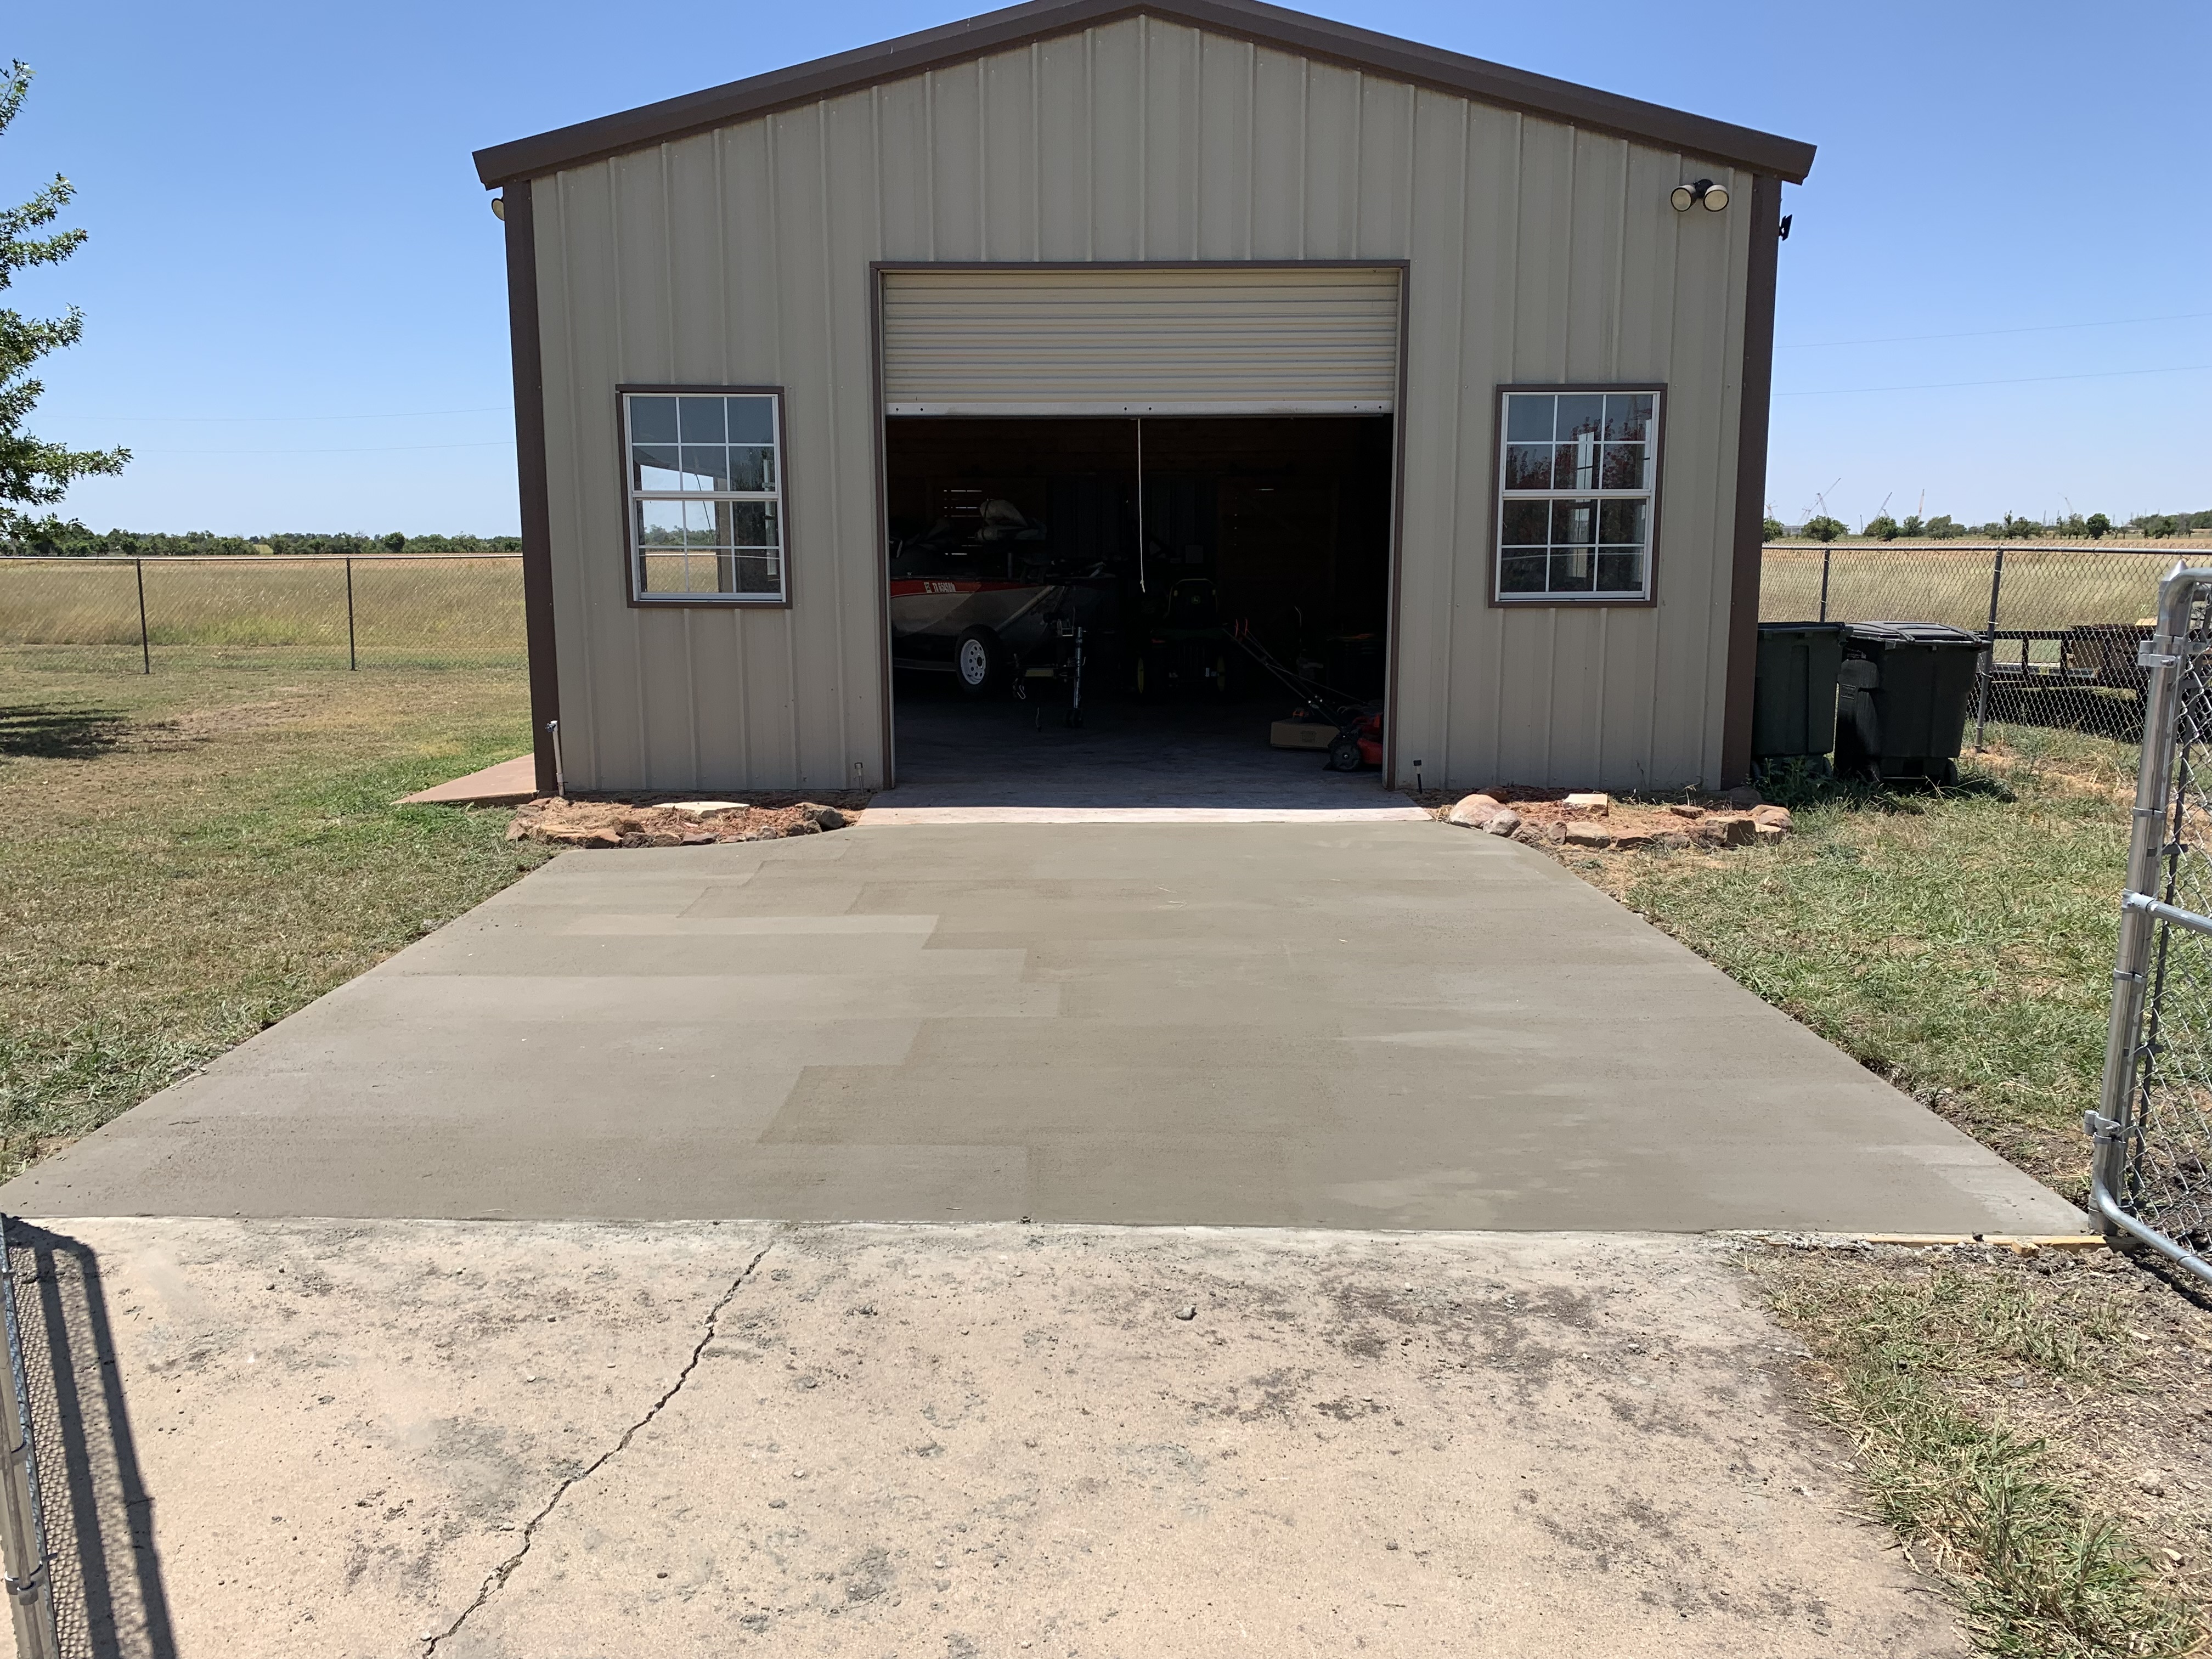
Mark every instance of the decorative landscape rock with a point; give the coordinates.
(1594, 820)
(679, 824)
(1725, 830)
(1475, 811)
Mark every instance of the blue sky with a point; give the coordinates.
(295, 313)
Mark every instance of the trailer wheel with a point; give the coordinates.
(980, 662)
(1344, 753)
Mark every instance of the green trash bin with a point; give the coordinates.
(1905, 691)
(1793, 706)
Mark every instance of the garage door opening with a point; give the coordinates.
(1120, 611)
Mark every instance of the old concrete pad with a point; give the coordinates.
(500, 784)
(560, 1441)
(1399, 1025)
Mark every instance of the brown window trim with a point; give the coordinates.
(1562, 602)
(705, 601)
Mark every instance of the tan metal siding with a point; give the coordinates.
(1536, 253)
(1297, 340)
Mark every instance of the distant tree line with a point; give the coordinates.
(68, 539)
(2075, 527)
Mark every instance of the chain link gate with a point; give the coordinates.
(2151, 1177)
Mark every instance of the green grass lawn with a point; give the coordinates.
(1959, 943)
(191, 856)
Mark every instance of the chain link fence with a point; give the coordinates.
(2153, 1130)
(113, 616)
(2064, 623)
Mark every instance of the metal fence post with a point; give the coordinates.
(2118, 1128)
(1826, 553)
(145, 644)
(22, 1521)
(353, 657)
(1989, 653)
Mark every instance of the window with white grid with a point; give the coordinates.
(706, 497)
(1578, 473)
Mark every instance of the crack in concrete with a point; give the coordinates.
(499, 1575)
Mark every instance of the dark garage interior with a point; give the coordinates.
(1225, 620)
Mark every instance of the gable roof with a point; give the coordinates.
(1246, 20)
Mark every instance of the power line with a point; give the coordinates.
(2025, 380)
(1983, 333)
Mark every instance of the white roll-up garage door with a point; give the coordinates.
(1286, 340)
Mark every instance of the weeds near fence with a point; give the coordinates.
(1906, 1362)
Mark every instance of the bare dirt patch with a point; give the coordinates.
(673, 821)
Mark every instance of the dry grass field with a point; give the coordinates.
(2042, 587)
(83, 614)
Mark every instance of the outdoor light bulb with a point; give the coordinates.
(1715, 197)
(499, 208)
(1683, 197)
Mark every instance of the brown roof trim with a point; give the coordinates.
(1758, 398)
(1247, 20)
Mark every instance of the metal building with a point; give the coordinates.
(1561, 301)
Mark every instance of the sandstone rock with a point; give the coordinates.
(1778, 816)
(1475, 811)
(1582, 834)
(1743, 798)
(1538, 834)
(1672, 840)
(1769, 832)
(602, 838)
(1504, 821)
(1725, 830)
(1632, 841)
(1590, 805)
(698, 838)
(705, 809)
(1683, 809)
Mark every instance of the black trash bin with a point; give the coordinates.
(1904, 691)
(1793, 708)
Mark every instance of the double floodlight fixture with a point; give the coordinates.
(1685, 197)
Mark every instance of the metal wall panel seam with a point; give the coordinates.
(1196, 241)
(983, 157)
(671, 359)
(1251, 141)
(1509, 266)
(831, 450)
(774, 170)
(880, 513)
(726, 285)
(1035, 148)
(1090, 144)
(580, 561)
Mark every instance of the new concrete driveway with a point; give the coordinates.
(1300, 1023)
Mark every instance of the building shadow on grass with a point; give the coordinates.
(50, 733)
(109, 1601)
